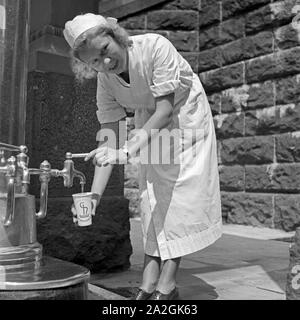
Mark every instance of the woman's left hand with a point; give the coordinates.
(105, 155)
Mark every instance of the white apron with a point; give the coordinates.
(180, 202)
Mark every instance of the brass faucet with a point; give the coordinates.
(69, 172)
(17, 172)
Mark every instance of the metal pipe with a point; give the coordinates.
(43, 200)
(45, 175)
(22, 162)
(10, 208)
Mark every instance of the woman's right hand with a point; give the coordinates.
(95, 202)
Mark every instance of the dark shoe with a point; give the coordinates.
(173, 295)
(142, 295)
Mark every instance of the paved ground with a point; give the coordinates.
(246, 263)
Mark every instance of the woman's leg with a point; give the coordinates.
(150, 273)
(167, 279)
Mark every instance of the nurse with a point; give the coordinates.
(179, 181)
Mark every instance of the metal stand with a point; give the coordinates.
(52, 279)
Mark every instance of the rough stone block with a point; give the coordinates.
(288, 147)
(192, 59)
(260, 69)
(223, 78)
(258, 178)
(249, 150)
(229, 125)
(172, 20)
(231, 7)
(260, 95)
(279, 64)
(261, 122)
(273, 120)
(134, 22)
(103, 246)
(250, 123)
(288, 90)
(232, 52)
(234, 99)
(288, 61)
(258, 45)
(181, 5)
(205, 3)
(210, 14)
(275, 177)
(286, 37)
(232, 29)
(247, 48)
(287, 212)
(258, 19)
(232, 178)
(210, 59)
(131, 176)
(210, 37)
(286, 177)
(132, 195)
(215, 103)
(288, 117)
(184, 40)
(249, 209)
(273, 14)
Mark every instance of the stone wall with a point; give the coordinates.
(248, 58)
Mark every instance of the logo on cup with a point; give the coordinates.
(84, 207)
(84, 214)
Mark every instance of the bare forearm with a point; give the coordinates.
(101, 177)
(103, 173)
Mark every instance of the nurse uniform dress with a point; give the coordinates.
(180, 201)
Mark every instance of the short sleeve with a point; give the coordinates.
(109, 110)
(166, 71)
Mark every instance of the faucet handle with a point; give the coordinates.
(70, 155)
(10, 206)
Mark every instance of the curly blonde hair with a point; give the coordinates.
(81, 70)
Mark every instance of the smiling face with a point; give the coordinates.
(104, 54)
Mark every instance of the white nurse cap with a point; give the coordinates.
(81, 23)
